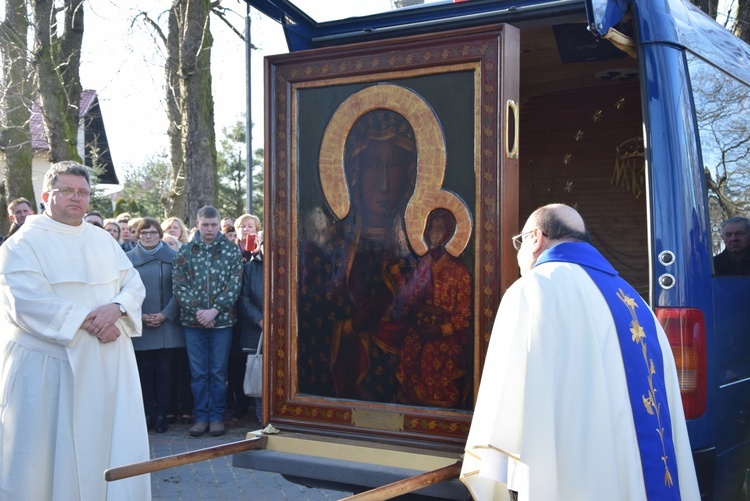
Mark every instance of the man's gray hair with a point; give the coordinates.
(65, 167)
(735, 219)
(208, 212)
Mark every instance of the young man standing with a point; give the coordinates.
(207, 277)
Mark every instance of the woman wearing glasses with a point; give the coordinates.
(162, 332)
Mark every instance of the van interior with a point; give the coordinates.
(581, 140)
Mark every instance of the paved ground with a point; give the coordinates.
(217, 479)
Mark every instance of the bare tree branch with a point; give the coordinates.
(220, 13)
(154, 25)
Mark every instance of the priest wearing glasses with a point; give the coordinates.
(71, 400)
(579, 397)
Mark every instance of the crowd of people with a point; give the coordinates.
(196, 332)
(176, 387)
(192, 370)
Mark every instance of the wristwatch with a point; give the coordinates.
(123, 311)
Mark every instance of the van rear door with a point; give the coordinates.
(695, 82)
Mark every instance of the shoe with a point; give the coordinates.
(217, 428)
(149, 422)
(187, 419)
(198, 429)
(160, 424)
(171, 419)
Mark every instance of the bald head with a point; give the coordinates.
(556, 221)
(546, 227)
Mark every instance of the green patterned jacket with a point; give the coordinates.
(207, 276)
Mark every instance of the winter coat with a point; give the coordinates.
(207, 276)
(156, 274)
(250, 303)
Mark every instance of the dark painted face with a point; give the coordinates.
(440, 227)
(384, 179)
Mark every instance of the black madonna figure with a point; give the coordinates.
(350, 323)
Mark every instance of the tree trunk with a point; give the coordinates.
(57, 60)
(710, 7)
(175, 200)
(15, 107)
(198, 136)
(742, 21)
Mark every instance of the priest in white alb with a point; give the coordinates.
(69, 388)
(579, 398)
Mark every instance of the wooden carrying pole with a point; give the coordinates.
(131, 470)
(410, 484)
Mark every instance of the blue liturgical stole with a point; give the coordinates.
(644, 368)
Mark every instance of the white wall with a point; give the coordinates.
(39, 167)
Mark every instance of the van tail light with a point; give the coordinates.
(686, 331)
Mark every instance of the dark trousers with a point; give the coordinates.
(182, 395)
(155, 370)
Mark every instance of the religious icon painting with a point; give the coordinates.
(392, 190)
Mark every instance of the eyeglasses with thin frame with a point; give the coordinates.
(148, 233)
(518, 239)
(69, 192)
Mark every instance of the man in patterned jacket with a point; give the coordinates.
(206, 279)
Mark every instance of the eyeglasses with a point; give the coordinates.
(518, 239)
(69, 192)
(149, 233)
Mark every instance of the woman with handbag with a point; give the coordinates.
(250, 310)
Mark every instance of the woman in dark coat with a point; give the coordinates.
(250, 310)
(246, 226)
(162, 332)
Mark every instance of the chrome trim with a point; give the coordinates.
(667, 281)
(726, 385)
(667, 257)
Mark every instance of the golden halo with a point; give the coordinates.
(431, 158)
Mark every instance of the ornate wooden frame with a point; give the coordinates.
(467, 73)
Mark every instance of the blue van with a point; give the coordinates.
(636, 112)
